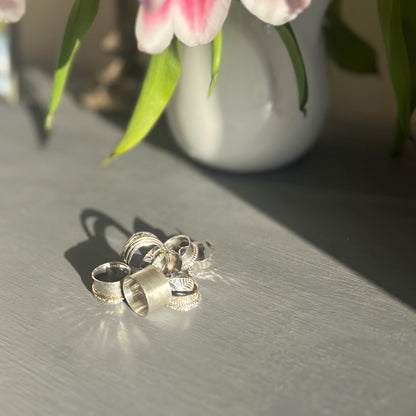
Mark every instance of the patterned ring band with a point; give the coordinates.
(138, 241)
(205, 259)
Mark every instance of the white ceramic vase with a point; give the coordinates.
(251, 122)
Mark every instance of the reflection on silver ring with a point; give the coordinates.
(107, 281)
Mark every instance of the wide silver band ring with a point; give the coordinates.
(146, 290)
(107, 280)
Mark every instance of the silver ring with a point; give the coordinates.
(185, 293)
(167, 261)
(107, 281)
(183, 245)
(185, 303)
(138, 241)
(182, 284)
(204, 260)
(146, 290)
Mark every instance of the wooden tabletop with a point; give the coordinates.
(309, 308)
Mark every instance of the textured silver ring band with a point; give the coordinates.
(136, 242)
(107, 280)
(182, 284)
(185, 303)
(185, 293)
(205, 260)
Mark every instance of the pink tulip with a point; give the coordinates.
(12, 10)
(196, 22)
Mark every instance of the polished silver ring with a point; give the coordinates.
(205, 257)
(107, 280)
(167, 261)
(146, 290)
(187, 249)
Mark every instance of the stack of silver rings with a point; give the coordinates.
(154, 274)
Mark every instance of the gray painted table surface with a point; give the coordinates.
(309, 309)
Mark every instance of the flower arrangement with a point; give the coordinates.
(162, 26)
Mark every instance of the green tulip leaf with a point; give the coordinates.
(346, 48)
(216, 60)
(398, 21)
(159, 84)
(288, 37)
(409, 32)
(80, 19)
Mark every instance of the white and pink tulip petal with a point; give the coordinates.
(276, 12)
(12, 10)
(194, 22)
(154, 26)
(197, 22)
